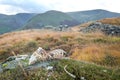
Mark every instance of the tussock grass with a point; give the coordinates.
(85, 49)
(112, 21)
(91, 47)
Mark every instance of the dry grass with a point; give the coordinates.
(112, 21)
(27, 35)
(97, 53)
(88, 47)
(78, 27)
(88, 53)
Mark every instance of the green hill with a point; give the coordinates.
(53, 18)
(91, 15)
(12, 22)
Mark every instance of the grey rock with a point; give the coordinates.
(105, 28)
(14, 61)
(1, 70)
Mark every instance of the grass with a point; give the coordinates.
(112, 21)
(78, 45)
(94, 48)
(87, 70)
(78, 68)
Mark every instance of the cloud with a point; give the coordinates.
(21, 6)
(39, 6)
(7, 9)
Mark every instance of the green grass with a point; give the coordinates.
(107, 40)
(80, 69)
(87, 70)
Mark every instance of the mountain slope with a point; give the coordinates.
(91, 15)
(112, 21)
(53, 18)
(12, 22)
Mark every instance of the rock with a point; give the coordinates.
(38, 55)
(21, 57)
(1, 70)
(14, 61)
(32, 60)
(49, 68)
(57, 54)
(17, 58)
(38, 65)
(105, 28)
(41, 55)
(25, 61)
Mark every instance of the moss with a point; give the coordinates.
(4, 65)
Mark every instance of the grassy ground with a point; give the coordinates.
(93, 47)
(82, 71)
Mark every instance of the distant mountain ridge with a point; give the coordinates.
(12, 22)
(91, 15)
(53, 18)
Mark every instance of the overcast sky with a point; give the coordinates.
(39, 6)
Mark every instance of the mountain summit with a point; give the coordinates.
(52, 18)
(92, 15)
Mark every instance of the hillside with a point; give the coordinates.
(92, 15)
(110, 21)
(27, 41)
(52, 18)
(92, 55)
(55, 18)
(12, 22)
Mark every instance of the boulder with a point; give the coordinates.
(41, 55)
(28, 62)
(38, 55)
(57, 54)
(14, 61)
(105, 28)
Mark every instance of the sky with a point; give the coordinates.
(39, 6)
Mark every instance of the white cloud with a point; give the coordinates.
(61, 5)
(7, 9)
